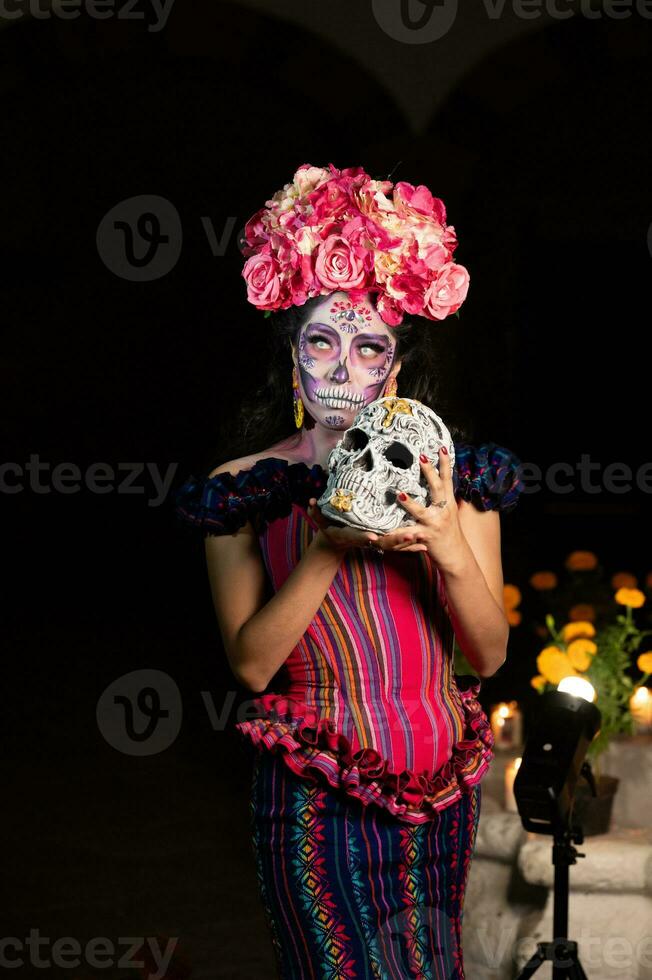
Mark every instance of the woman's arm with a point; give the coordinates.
(474, 590)
(259, 635)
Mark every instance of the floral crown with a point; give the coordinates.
(333, 230)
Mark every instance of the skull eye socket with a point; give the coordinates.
(355, 439)
(399, 456)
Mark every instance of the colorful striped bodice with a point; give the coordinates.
(368, 699)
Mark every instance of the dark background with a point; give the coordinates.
(537, 137)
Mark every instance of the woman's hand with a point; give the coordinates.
(338, 539)
(437, 530)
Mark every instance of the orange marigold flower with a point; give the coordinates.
(554, 665)
(543, 581)
(578, 630)
(583, 611)
(513, 617)
(630, 597)
(644, 662)
(580, 652)
(511, 596)
(581, 561)
(624, 580)
(648, 580)
(538, 682)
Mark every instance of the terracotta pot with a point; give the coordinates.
(593, 813)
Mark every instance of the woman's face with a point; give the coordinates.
(345, 353)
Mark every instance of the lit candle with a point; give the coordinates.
(510, 775)
(507, 725)
(640, 705)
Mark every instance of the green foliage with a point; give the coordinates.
(617, 644)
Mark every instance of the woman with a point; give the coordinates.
(368, 751)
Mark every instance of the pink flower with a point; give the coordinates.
(340, 265)
(411, 201)
(450, 238)
(446, 292)
(408, 290)
(436, 256)
(332, 229)
(389, 310)
(329, 201)
(261, 273)
(307, 178)
(255, 233)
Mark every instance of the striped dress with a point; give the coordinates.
(367, 749)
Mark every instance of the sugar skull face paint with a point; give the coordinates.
(345, 353)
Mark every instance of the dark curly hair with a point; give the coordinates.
(429, 373)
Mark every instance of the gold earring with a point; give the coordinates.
(390, 388)
(298, 404)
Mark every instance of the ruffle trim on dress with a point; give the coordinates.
(222, 504)
(313, 749)
(487, 475)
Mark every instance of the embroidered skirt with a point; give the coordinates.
(348, 890)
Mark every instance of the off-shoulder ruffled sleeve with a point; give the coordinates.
(487, 475)
(223, 503)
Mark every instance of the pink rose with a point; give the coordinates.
(446, 292)
(261, 273)
(340, 265)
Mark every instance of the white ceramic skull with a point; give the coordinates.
(376, 458)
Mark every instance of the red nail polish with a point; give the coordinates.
(423, 457)
(402, 496)
(444, 450)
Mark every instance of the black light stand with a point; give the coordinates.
(553, 760)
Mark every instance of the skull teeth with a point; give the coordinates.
(356, 487)
(334, 398)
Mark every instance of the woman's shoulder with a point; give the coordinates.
(488, 475)
(235, 466)
(281, 451)
(258, 488)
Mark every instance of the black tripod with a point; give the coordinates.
(562, 951)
